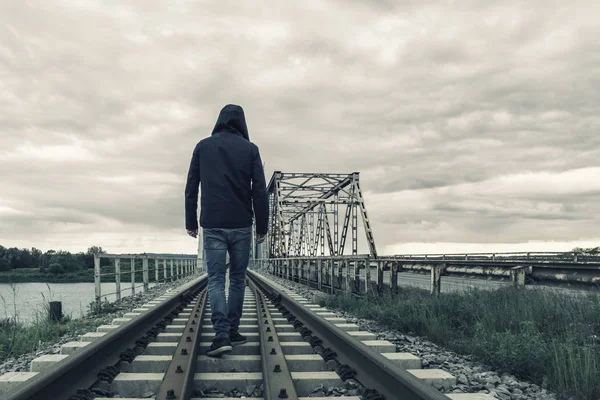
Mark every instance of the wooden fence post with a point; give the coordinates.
(55, 311)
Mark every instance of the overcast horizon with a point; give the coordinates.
(474, 127)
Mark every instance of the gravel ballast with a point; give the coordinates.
(471, 376)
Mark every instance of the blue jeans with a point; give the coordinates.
(217, 242)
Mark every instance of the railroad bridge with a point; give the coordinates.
(312, 216)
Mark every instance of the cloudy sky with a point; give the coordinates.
(474, 125)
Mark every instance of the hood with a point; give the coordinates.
(231, 119)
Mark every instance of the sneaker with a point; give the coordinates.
(237, 339)
(219, 346)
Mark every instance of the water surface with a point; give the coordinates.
(27, 300)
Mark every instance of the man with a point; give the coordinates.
(229, 169)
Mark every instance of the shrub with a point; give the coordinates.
(56, 268)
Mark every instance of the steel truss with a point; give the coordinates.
(301, 206)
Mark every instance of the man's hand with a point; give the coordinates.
(193, 233)
(260, 238)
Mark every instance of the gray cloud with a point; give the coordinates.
(470, 123)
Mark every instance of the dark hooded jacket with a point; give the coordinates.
(229, 170)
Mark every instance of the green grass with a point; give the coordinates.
(543, 336)
(26, 275)
(17, 338)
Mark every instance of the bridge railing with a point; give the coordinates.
(508, 256)
(139, 271)
(350, 273)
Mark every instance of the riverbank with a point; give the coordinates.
(40, 277)
(19, 344)
(35, 275)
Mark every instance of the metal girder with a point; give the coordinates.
(297, 198)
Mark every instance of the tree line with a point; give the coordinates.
(51, 261)
(57, 262)
(589, 251)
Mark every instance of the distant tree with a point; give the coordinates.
(589, 250)
(85, 260)
(14, 257)
(4, 265)
(65, 259)
(56, 268)
(95, 250)
(26, 259)
(36, 255)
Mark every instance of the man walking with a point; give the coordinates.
(229, 169)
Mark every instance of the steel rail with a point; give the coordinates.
(277, 378)
(178, 382)
(80, 369)
(373, 370)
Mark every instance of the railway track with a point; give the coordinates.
(294, 350)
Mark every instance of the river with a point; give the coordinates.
(27, 300)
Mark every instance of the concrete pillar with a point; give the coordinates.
(517, 275)
(156, 269)
(357, 265)
(394, 278)
(133, 276)
(145, 277)
(165, 269)
(118, 278)
(97, 277)
(320, 274)
(367, 275)
(436, 278)
(347, 284)
(331, 275)
(172, 271)
(380, 277)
